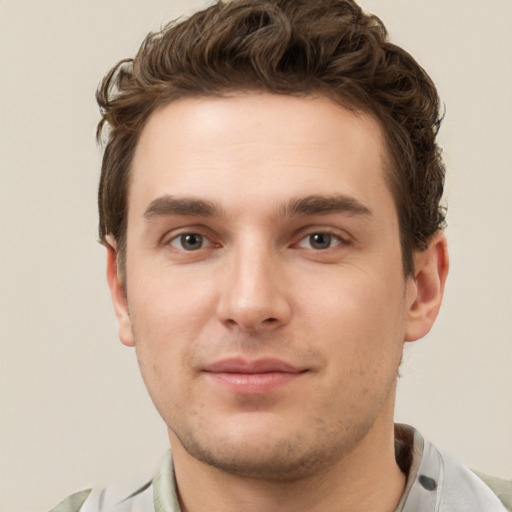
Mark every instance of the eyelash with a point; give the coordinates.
(179, 240)
(331, 237)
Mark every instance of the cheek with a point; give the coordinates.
(167, 320)
(363, 318)
(363, 338)
(165, 304)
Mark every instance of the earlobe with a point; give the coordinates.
(427, 287)
(118, 294)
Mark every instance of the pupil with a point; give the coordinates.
(191, 241)
(320, 240)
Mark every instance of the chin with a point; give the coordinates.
(271, 453)
(276, 461)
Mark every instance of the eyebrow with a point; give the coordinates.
(309, 205)
(170, 205)
(324, 205)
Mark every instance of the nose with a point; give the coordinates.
(254, 295)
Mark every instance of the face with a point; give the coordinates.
(265, 290)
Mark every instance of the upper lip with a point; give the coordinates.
(240, 365)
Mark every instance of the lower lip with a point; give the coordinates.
(253, 383)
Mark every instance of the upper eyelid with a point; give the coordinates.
(213, 237)
(174, 233)
(172, 243)
(311, 230)
(206, 241)
(341, 241)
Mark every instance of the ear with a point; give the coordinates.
(118, 294)
(426, 287)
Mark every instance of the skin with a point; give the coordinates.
(293, 253)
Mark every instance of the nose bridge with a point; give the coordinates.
(254, 296)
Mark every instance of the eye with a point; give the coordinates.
(189, 241)
(320, 241)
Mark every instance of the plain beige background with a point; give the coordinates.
(74, 412)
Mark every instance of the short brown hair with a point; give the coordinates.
(294, 47)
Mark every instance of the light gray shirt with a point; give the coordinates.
(435, 483)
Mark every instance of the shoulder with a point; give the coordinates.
(463, 487)
(127, 497)
(110, 499)
(72, 503)
(437, 481)
(499, 486)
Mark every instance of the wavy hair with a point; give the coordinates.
(294, 47)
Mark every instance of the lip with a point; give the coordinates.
(242, 376)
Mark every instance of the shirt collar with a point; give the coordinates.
(434, 482)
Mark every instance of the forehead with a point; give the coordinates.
(270, 145)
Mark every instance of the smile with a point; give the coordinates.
(252, 377)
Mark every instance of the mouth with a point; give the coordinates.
(261, 376)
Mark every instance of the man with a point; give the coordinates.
(270, 204)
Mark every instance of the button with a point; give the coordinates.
(428, 483)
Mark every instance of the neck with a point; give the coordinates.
(368, 478)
